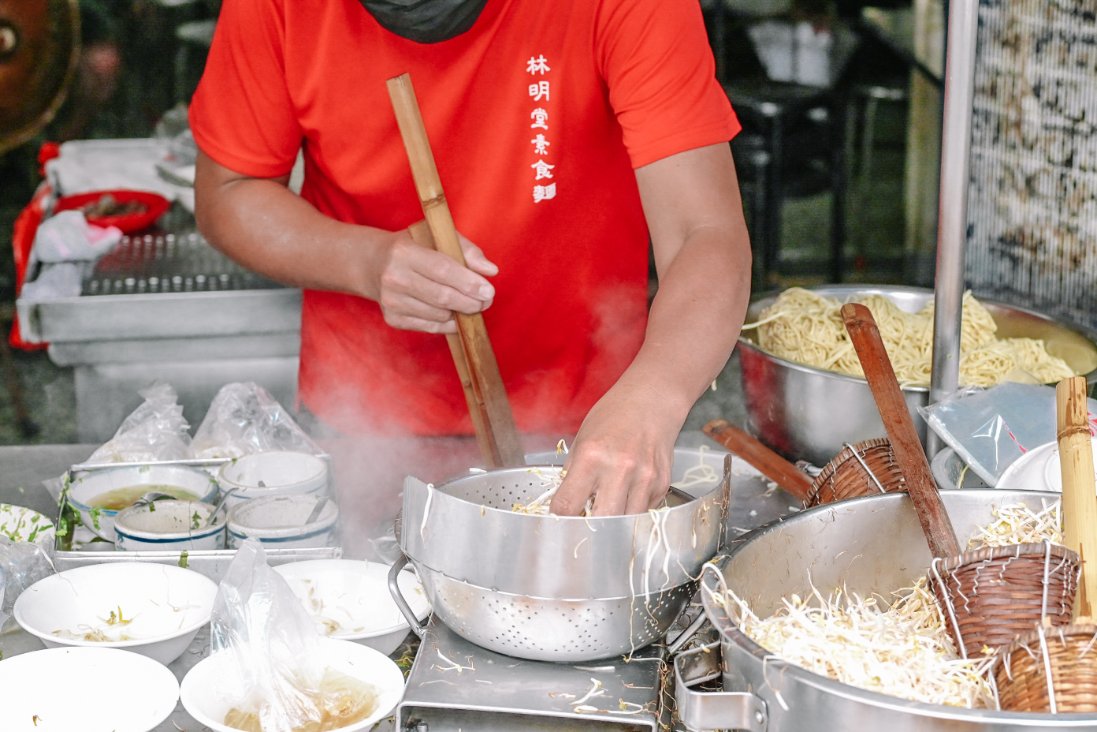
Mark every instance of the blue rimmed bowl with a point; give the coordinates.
(99, 495)
(169, 525)
(283, 522)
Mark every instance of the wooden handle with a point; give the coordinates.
(499, 437)
(909, 454)
(1079, 507)
(768, 463)
(420, 233)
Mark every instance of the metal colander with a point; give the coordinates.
(554, 588)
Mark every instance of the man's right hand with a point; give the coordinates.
(261, 224)
(419, 288)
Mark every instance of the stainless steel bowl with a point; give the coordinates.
(808, 413)
(869, 546)
(554, 588)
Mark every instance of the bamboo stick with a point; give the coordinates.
(1079, 508)
(875, 362)
(492, 409)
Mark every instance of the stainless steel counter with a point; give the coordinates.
(166, 306)
(23, 468)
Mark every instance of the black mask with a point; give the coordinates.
(425, 21)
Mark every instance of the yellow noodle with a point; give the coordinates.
(807, 328)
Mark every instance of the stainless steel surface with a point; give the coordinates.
(754, 501)
(167, 307)
(573, 589)
(455, 685)
(950, 471)
(952, 204)
(869, 546)
(808, 413)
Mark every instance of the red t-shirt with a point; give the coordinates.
(537, 117)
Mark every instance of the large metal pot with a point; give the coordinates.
(555, 588)
(808, 413)
(871, 545)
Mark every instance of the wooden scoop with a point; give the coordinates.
(1079, 506)
(769, 463)
(487, 398)
(909, 454)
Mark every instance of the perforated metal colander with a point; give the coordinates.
(554, 588)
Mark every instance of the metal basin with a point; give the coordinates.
(554, 588)
(869, 545)
(808, 413)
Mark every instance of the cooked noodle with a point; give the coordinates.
(807, 328)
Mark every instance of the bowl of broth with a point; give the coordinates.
(99, 495)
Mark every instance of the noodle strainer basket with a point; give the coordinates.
(553, 588)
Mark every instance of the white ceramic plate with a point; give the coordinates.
(1038, 470)
(87, 689)
(152, 609)
(350, 599)
(23, 524)
(211, 688)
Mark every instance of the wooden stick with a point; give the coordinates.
(909, 454)
(420, 233)
(1079, 507)
(768, 462)
(500, 438)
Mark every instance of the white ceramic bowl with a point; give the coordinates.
(350, 600)
(213, 687)
(152, 609)
(19, 523)
(169, 525)
(66, 689)
(273, 473)
(134, 481)
(1038, 469)
(279, 522)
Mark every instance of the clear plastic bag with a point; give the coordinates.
(273, 642)
(156, 430)
(244, 418)
(992, 428)
(21, 565)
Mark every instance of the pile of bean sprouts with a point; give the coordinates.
(900, 648)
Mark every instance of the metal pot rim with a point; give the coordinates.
(731, 635)
(844, 291)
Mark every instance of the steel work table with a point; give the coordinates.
(23, 468)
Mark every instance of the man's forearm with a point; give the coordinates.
(695, 318)
(269, 229)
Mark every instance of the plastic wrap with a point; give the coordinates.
(156, 430)
(992, 428)
(21, 565)
(273, 641)
(244, 418)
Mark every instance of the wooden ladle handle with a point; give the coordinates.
(768, 462)
(909, 454)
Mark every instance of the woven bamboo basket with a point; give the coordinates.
(991, 596)
(862, 469)
(1050, 670)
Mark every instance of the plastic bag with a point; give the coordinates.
(244, 418)
(273, 641)
(991, 428)
(156, 430)
(21, 565)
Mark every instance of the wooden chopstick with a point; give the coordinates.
(488, 404)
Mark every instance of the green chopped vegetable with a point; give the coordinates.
(183, 559)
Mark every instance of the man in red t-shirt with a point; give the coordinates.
(567, 134)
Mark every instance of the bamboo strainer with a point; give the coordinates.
(861, 469)
(1050, 670)
(991, 596)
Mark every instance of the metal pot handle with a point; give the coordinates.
(702, 711)
(398, 597)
